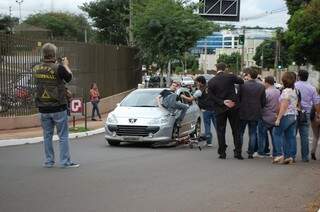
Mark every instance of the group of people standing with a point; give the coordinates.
(265, 109)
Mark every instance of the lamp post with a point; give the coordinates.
(19, 2)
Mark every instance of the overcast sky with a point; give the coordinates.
(249, 8)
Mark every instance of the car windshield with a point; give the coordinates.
(142, 98)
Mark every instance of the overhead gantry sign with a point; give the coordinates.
(220, 10)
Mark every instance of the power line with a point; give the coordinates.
(267, 13)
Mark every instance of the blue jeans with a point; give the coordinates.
(95, 107)
(303, 129)
(263, 140)
(284, 142)
(208, 117)
(252, 134)
(171, 104)
(60, 120)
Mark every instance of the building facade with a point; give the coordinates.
(227, 42)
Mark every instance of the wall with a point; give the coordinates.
(106, 104)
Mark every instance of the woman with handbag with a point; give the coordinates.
(94, 99)
(285, 131)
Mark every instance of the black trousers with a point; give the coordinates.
(234, 120)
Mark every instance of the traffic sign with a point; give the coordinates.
(76, 106)
(220, 10)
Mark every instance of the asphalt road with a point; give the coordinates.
(137, 178)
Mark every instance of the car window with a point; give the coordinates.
(141, 99)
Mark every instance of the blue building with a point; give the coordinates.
(217, 40)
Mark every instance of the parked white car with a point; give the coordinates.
(138, 118)
(187, 81)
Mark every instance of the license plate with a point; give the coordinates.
(131, 138)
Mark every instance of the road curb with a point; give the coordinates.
(22, 141)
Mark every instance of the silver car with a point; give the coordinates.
(138, 118)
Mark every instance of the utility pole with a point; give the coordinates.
(11, 22)
(205, 57)
(19, 2)
(262, 57)
(277, 56)
(242, 52)
(276, 60)
(130, 23)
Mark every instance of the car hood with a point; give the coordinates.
(140, 112)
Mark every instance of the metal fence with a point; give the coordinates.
(114, 68)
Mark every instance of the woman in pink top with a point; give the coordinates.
(94, 99)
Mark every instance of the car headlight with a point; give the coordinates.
(112, 119)
(159, 121)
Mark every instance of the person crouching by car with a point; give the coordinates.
(208, 114)
(168, 99)
(94, 99)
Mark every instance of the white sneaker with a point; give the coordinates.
(71, 165)
(257, 155)
(278, 159)
(209, 145)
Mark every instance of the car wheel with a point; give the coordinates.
(114, 143)
(197, 131)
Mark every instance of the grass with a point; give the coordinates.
(78, 129)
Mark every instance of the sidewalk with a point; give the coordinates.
(37, 131)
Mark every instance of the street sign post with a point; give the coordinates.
(220, 10)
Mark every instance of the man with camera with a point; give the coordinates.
(51, 100)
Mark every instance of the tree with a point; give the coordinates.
(294, 5)
(232, 61)
(165, 29)
(111, 18)
(63, 25)
(7, 22)
(303, 34)
(268, 48)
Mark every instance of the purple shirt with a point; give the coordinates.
(270, 109)
(309, 96)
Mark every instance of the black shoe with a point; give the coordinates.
(222, 156)
(313, 156)
(93, 119)
(239, 157)
(250, 157)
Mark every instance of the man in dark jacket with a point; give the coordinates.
(223, 97)
(252, 100)
(51, 100)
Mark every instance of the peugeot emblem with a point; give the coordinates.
(132, 121)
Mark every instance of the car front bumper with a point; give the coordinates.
(163, 135)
